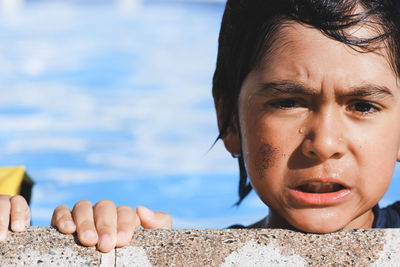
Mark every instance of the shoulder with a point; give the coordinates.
(237, 226)
(388, 217)
(260, 224)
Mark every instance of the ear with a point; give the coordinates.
(232, 140)
(231, 137)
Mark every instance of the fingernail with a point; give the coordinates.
(17, 226)
(146, 212)
(89, 235)
(104, 239)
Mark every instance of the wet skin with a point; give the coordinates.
(319, 131)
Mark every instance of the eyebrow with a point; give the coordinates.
(371, 90)
(283, 88)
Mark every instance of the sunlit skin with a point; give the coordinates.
(318, 111)
(106, 226)
(14, 215)
(103, 225)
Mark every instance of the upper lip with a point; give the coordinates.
(297, 184)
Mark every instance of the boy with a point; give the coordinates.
(307, 99)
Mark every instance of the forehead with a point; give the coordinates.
(303, 53)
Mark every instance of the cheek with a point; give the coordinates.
(265, 157)
(262, 147)
(378, 164)
(378, 158)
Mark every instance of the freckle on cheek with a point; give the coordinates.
(265, 158)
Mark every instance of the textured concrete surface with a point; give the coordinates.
(46, 247)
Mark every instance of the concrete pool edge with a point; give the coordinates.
(44, 246)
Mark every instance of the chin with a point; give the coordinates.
(318, 224)
(316, 229)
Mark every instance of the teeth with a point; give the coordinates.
(316, 187)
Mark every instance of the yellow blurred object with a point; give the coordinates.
(14, 180)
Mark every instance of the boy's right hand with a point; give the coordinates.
(106, 225)
(14, 214)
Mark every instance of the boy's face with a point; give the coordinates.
(320, 130)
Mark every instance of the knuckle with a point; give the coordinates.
(82, 203)
(86, 224)
(60, 212)
(109, 222)
(127, 215)
(63, 218)
(61, 208)
(18, 214)
(104, 229)
(18, 198)
(17, 209)
(105, 203)
(106, 221)
(127, 226)
(126, 209)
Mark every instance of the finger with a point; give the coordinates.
(82, 213)
(18, 213)
(5, 207)
(105, 217)
(127, 222)
(153, 219)
(62, 219)
(27, 216)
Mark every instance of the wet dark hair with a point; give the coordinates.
(249, 27)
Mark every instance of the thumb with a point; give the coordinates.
(153, 219)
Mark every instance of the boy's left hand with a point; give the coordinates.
(106, 225)
(14, 211)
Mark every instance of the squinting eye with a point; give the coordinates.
(363, 107)
(285, 104)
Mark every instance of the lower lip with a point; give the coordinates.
(319, 199)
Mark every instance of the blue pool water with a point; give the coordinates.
(112, 100)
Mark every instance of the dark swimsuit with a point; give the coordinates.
(388, 217)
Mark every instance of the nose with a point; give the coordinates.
(324, 136)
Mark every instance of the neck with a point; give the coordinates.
(275, 221)
(364, 221)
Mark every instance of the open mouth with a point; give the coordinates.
(320, 188)
(319, 193)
